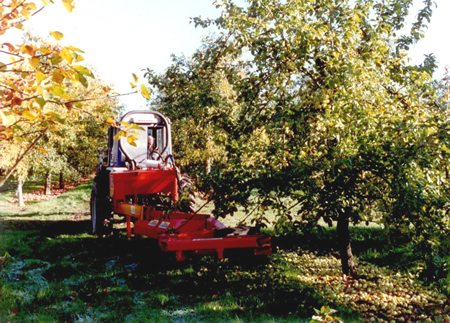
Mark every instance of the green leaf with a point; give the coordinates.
(40, 101)
(82, 80)
(56, 117)
(58, 91)
(135, 126)
(56, 60)
(83, 70)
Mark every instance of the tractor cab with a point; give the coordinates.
(152, 147)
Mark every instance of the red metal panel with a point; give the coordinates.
(184, 227)
(250, 241)
(260, 244)
(143, 182)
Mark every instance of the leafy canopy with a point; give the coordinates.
(328, 119)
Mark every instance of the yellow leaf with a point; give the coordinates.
(58, 77)
(144, 92)
(25, 13)
(46, 2)
(131, 140)
(34, 62)
(75, 49)
(44, 50)
(67, 55)
(118, 135)
(132, 85)
(69, 4)
(18, 140)
(40, 76)
(7, 118)
(79, 58)
(30, 115)
(31, 6)
(57, 35)
(110, 120)
(42, 150)
(135, 77)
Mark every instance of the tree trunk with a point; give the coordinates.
(208, 165)
(48, 184)
(345, 248)
(61, 180)
(19, 193)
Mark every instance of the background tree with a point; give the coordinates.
(349, 131)
(198, 143)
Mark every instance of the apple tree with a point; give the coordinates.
(346, 129)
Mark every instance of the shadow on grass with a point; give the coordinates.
(56, 263)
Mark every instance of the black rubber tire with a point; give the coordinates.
(101, 208)
(187, 204)
(95, 219)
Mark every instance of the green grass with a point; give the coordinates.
(64, 276)
(74, 203)
(53, 270)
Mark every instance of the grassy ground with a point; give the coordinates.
(53, 270)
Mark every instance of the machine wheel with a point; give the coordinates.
(187, 196)
(101, 210)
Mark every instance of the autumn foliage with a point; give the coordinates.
(44, 90)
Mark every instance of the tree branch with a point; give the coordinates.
(20, 21)
(13, 168)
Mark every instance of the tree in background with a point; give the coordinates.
(328, 121)
(198, 142)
